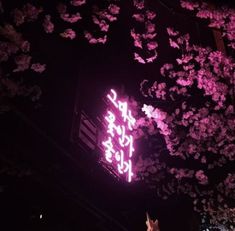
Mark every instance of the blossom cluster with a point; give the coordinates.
(222, 18)
(67, 17)
(16, 45)
(68, 33)
(48, 24)
(156, 90)
(77, 2)
(13, 47)
(215, 72)
(102, 18)
(144, 41)
(64, 12)
(201, 130)
(27, 13)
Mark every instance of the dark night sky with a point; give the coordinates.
(80, 73)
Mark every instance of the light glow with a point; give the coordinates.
(118, 145)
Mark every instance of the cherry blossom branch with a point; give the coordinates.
(219, 18)
(144, 41)
(103, 19)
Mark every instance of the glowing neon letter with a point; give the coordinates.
(119, 144)
(111, 127)
(109, 151)
(113, 98)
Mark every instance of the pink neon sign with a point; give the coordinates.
(119, 141)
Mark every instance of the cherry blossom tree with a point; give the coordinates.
(198, 128)
(14, 47)
(189, 120)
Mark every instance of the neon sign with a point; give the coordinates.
(119, 141)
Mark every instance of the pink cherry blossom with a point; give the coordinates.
(189, 5)
(150, 59)
(150, 15)
(171, 32)
(37, 67)
(104, 26)
(23, 62)
(219, 18)
(48, 25)
(139, 58)
(77, 2)
(68, 34)
(144, 40)
(71, 18)
(25, 46)
(173, 44)
(139, 4)
(93, 40)
(149, 36)
(182, 173)
(31, 12)
(229, 151)
(201, 177)
(152, 45)
(105, 14)
(114, 9)
(150, 27)
(6, 50)
(166, 67)
(230, 181)
(28, 13)
(139, 17)
(19, 17)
